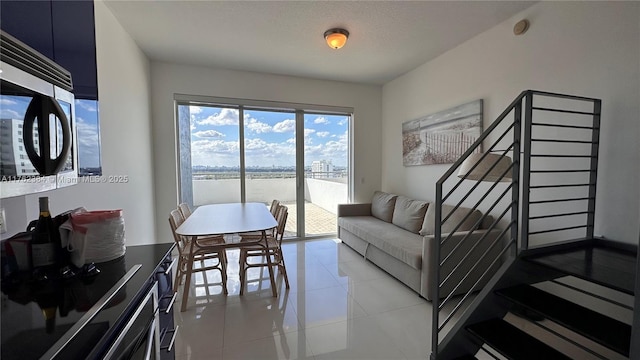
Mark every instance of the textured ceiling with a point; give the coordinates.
(387, 38)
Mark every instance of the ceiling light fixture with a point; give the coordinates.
(336, 38)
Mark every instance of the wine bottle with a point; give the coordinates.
(43, 244)
(47, 297)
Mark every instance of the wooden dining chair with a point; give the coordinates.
(258, 250)
(185, 210)
(274, 207)
(202, 250)
(275, 204)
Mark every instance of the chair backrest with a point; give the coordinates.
(274, 207)
(281, 217)
(175, 220)
(185, 210)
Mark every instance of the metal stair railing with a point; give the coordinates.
(513, 134)
(559, 201)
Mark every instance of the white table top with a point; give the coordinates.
(232, 218)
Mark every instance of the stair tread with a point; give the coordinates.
(604, 265)
(600, 328)
(512, 342)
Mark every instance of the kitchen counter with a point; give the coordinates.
(27, 335)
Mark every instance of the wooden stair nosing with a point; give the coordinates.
(600, 328)
(512, 342)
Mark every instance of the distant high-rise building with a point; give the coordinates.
(13, 157)
(322, 169)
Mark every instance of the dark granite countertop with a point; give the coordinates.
(24, 333)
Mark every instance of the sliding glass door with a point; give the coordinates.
(214, 135)
(298, 156)
(326, 170)
(270, 159)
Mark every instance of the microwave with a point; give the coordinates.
(38, 149)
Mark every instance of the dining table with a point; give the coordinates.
(228, 219)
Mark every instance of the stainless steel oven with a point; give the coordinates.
(38, 149)
(140, 337)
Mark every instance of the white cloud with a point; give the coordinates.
(291, 141)
(334, 150)
(343, 121)
(288, 125)
(261, 153)
(321, 120)
(5, 101)
(256, 126)
(195, 109)
(224, 117)
(323, 134)
(255, 144)
(208, 147)
(10, 114)
(88, 105)
(88, 143)
(208, 134)
(308, 140)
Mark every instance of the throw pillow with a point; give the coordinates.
(409, 214)
(382, 205)
(428, 227)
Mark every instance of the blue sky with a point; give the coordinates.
(88, 133)
(14, 107)
(269, 137)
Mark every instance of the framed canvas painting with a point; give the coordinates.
(441, 138)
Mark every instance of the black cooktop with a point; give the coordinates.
(27, 335)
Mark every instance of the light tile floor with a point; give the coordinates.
(339, 306)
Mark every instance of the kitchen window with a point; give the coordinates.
(89, 142)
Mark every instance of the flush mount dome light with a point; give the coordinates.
(336, 38)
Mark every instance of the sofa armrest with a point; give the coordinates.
(354, 210)
(454, 267)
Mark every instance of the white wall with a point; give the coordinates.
(169, 79)
(322, 193)
(125, 124)
(228, 190)
(326, 194)
(583, 48)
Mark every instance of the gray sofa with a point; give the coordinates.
(397, 234)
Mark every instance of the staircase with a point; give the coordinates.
(565, 321)
(561, 292)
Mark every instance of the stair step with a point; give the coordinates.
(599, 263)
(602, 329)
(512, 342)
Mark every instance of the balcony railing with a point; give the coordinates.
(323, 192)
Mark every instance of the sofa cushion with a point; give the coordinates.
(397, 242)
(428, 227)
(382, 205)
(409, 214)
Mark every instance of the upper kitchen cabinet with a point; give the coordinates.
(62, 30)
